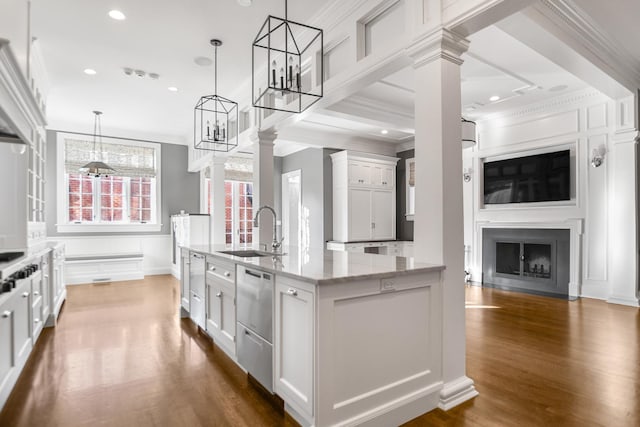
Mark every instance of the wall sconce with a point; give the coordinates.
(466, 175)
(597, 157)
(468, 133)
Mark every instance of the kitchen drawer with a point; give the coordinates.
(221, 269)
(255, 355)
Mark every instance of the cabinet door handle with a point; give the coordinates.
(25, 295)
(212, 268)
(219, 294)
(36, 320)
(6, 314)
(292, 292)
(227, 274)
(36, 293)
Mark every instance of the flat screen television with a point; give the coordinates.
(539, 178)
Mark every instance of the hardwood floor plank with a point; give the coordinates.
(121, 356)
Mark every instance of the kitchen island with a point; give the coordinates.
(357, 338)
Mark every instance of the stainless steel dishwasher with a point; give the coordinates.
(196, 282)
(254, 307)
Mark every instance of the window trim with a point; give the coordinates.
(62, 224)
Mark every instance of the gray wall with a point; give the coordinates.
(180, 189)
(328, 192)
(310, 162)
(404, 228)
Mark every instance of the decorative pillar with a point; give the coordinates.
(263, 183)
(438, 220)
(623, 211)
(218, 200)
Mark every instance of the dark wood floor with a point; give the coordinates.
(121, 356)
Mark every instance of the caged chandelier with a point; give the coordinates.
(96, 167)
(287, 65)
(216, 118)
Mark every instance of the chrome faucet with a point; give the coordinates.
(275, 245)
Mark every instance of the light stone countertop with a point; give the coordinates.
(320, 266)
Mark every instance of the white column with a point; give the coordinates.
(623, 219)
(218, 200)
(438, 223)
(263, 183)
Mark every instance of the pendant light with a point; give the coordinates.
(287, 65)
(215, 117)
(97, 167)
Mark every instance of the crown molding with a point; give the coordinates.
(549, 105)
(17, 104)
(570, 19)
(438, 44)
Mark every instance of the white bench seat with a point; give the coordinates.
(104, 267)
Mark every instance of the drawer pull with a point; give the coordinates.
(36, 293)
(292, 292)
(25, 295)
(227, 274)
(219, 294)
(6, 314)
(212, 268)
(36, 320)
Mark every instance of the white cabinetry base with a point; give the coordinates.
(456, 392)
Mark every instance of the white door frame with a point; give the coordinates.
(286, 178)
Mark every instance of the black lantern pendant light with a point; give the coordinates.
(288, 65)
(96, 167)
(216, 118)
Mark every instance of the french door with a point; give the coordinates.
(238, 202)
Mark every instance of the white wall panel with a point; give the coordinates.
(596, 213)
(554, 125)
(383, 30)
(597, 116)
(338, 58)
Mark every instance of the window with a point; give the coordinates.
(128, 200)
(238, 210)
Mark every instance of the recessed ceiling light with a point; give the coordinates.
(245, 3)
(494, 98)
(90, 71)
(173, 88)
(384, 131)
(117, 15)
(558, 88)
(203, 61)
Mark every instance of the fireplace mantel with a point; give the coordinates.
(575, 227)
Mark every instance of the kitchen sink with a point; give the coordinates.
(250, 253)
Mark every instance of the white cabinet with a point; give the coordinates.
(57, 290)
(184, 282)
(294, 344)
(221, 304)
(360, 173)
(15, 335)
(383, 218)
(364, 197)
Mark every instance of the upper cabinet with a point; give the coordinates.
(364, 197)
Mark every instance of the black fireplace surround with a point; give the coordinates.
(527, 260)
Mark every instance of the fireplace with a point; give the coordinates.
(528, 260)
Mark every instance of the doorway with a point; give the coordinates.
(292, 208)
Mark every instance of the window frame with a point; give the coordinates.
(235, 209)
(62, 218)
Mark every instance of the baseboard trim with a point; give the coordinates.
(456, 392)
(156, 271)
(632, 302)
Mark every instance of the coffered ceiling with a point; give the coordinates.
(166, 37)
